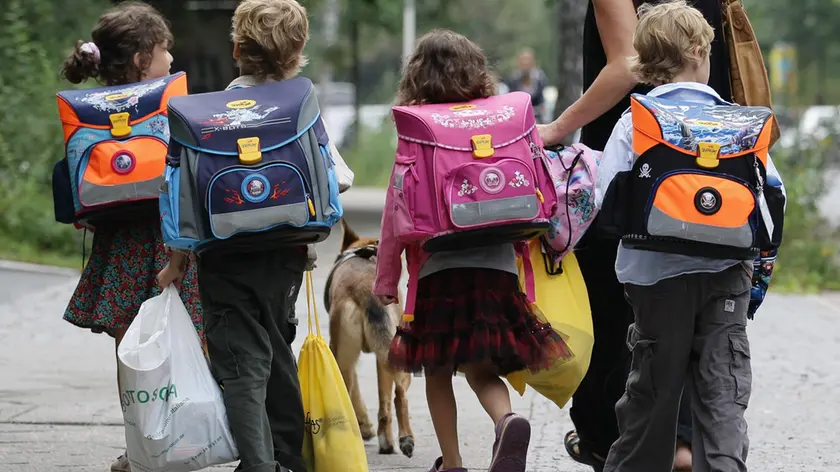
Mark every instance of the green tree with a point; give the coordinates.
(35, 36)
(811, 27)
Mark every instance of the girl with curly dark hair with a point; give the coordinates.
(130, 43)
(470, 313)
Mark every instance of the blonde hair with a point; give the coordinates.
(271, 35)
(667, 39)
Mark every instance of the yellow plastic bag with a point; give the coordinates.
(333, 441)
(561, 300)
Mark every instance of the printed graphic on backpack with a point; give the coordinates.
(574, 171)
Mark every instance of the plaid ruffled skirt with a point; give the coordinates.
(468, 316)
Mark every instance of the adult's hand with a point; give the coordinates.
(550, 134)
(616, 21)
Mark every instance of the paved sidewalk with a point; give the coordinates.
(59, 411)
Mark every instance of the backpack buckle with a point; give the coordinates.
(482, 145)
(249, 151)
(708, 155)
(119, 125)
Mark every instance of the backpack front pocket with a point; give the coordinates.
(702, 207)
(479, 194)
(403, 196)
(121, 171)
(247, 199)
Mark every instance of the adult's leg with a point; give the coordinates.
(593, 407)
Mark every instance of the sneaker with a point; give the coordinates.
(510, 451)
(121, 464)
(439, 464)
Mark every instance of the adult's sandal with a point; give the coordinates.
(581, 452)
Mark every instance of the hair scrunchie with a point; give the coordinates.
(92, 49)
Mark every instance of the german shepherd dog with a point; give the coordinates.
(360, 323)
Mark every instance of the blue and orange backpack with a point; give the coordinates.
(115, 140)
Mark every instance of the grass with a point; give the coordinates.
(18, 251)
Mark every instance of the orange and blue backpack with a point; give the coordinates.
(115, 148)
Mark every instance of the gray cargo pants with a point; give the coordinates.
(694, 327)
(249, 303)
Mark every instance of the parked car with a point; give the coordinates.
(815, 124)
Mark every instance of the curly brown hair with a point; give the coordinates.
(129, 28)
(445, 67)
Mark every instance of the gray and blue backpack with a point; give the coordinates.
(248, 168)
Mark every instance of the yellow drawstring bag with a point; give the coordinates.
(561, 300)
(333, 441)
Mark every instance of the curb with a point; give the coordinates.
(360, 203)
(37, 268)
(363, 206)
(363, 200)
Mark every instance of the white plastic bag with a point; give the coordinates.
(175, 418)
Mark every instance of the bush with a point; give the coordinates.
(35, 36)
(809, 259)
(372, 157)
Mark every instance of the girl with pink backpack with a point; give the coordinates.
(469, 314)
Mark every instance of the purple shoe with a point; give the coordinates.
(510, 451)
(439, 464)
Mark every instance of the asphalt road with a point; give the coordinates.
(59, 411)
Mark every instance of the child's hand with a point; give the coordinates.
(172, 273)
(387, 299)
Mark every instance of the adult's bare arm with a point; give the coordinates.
(616, 21)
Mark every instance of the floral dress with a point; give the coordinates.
(121, 274)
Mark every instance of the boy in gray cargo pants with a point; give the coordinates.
(690, 312)
(249, 295)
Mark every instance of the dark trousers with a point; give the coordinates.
(249, 301)
(593, 405)
(688, 328)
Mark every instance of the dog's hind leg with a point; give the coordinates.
(346, 346)
(359, 407)
(385, 378)
(402, 380)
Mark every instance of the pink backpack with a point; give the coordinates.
(470, 174)
(574, 170)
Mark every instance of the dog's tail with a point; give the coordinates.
(382, 324)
